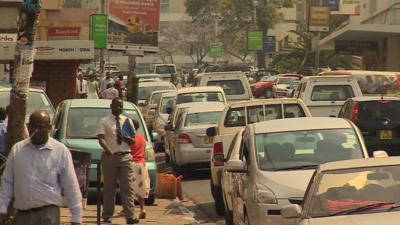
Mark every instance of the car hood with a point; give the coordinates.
(286, 184)
(387, 218)
(282, 86)
(91, 146)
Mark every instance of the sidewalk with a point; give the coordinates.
(165, 211)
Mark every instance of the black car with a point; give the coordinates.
(378, 118)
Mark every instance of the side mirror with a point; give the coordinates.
(236, 166)
(211, 132)
(380, 154)
(291, 211)
(169, 110)
(154, 136)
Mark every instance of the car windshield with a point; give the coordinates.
(82, 122)
(36, 101)
(376, 84)
(166, 103)
(156, 97)
(145, 92)
(331, 93)
(356, 191)
(200, 97)
(299, 149)
(193, 119)
(379, 110)
(165, 69)
(286, 80)
(230, 87)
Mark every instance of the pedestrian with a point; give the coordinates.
(117, 163)
(141, 179)
(93, 87)
(119, 85)
(105, 81)
(81, 87)
(111, 92)
(38, 172)
(3, 129)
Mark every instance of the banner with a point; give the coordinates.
(98, 24)
(255, 40)
(133, 24)
(216, 50)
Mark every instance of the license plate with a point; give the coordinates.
(385, 135)
(208, 140)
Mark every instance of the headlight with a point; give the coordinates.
(264, 195)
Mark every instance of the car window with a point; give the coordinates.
(373, 84)
(59, 117)
(235, 117)
(82, 122)
(165, 69)
(331, 92)
(193, 119)
(379, 110)
(230, 87)
(295, 149)
(166, 103)
(255, 114)
(232, 145)
(273, 112)
(155, 98)
(145, 92)
(200, 97)
(293, 111)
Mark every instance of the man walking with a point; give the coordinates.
(117, 163)
(81, 86)
(105, 81)
(37, 169)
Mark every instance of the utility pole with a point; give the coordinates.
(255, 4)
(23, 67)
(102, 11)
(317, 50)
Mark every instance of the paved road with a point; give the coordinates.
(197, 188)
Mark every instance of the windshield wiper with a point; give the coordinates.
(362, 208)
(311, 166)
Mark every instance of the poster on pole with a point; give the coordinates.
(133, 25)
(255, 40)
(98, 33)
(319, 19)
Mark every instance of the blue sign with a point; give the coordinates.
(270, 44)
(334, 5)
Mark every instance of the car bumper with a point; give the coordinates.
(188, 154)
(261, 214)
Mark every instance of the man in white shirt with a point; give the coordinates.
(81, 86)
(111, 92)
(38, 169)
(105, 82)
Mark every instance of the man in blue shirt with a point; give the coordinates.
(3, 130)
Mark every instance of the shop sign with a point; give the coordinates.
(355, 47)
(64, 31)
(319, 19)
(8, 37)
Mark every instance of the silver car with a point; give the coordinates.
(277, 159)
(149, 109)
(191, 145)
(352, 192)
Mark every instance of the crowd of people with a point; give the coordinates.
(106, 88)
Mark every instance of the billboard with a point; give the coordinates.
(255, 40)
(98, 25)
(133, 24)
(319, 19)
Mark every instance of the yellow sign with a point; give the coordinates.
(318, 19)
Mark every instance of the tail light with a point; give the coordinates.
(355, 114)
(218, 157)
(184, 139)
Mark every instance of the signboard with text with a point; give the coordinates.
(270, 44)
(255, 40)
(355, 47)
(133, 25)
(319, 19)
(99, 31)
(216, 50)
(65, 33)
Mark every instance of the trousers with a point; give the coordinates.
(46, 216)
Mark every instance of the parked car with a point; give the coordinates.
(166, 101)
(284, 85)
(166, 71)
(325, 95)
(37, 100)
(264, 88)
(75, 125)
(191, 146)
(146, 88)
(359, 191)
(378, 119)
(277, 159)
(236, 116)
(200, 94)
(150, 106)
(235, 84)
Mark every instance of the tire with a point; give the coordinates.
(228, 214)
(218, 200)
(268, 93)
(150, 200)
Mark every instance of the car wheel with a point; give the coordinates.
(150, 200)
(268, 93)
(228, 213)
(218, 199)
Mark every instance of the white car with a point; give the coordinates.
(146, 88)
(191, 146)
(277, 159)
(166, 100)
(363, 191)
(236, 116)
(200, 94)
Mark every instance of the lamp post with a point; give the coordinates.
(255, 4)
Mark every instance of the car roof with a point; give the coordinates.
(164, 64)
(157, 92)
(374, 98)
(229, 74)
(327, 78)
(199, 89)
(358, 163)
(147, 74)
(170, 93)
(155, 83)
(6, 86)
(264, 102)
(359, 72)
(206, 107)
(96, 103)
(303, 123)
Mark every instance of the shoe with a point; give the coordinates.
(132, 220)
(107, 220)
(142, 215)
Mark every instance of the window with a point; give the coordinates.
(165, 69)
(273, 112)
(293, 110)
(156, 98)
(166, 102)
(331, 93)
(379, 110)
(200, 97)
(235, 118)
(145, 92)
(230, 87)
(255, 114)
(164, 6)
(193, 119)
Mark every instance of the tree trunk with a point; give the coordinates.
(23, 68)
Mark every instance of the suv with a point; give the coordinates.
(235, 84)
(325, 95)
(236, 116)
(378, 119)
(166, 71)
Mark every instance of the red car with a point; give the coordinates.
(265, 86)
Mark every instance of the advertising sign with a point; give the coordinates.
(99, 30)
(216, 50)
(8, 37)
(319, 19)
(255, 40)
(63, 31)
(334, 5)
(270, 44)
(133, 24)
(355, 47)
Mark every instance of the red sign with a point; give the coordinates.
(64, 31)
